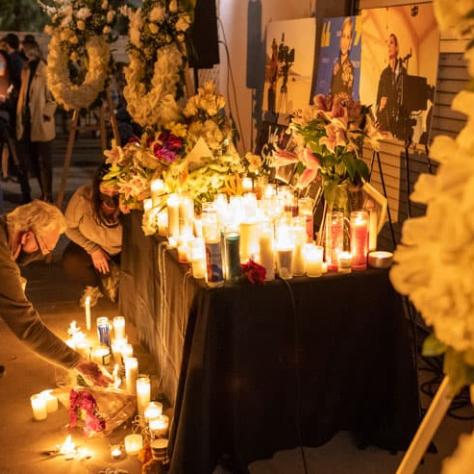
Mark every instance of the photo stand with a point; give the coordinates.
(72, 139)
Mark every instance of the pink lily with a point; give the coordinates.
(335, 136)
(284, 158)
(312, 165)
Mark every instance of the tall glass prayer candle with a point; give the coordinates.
(198, 227)
(313, 260)
(259, 186)
(131, 374)
(247, 185)
(39, 405)
(214, 267)
(305, 209)
(157, 191)
(299, 239)
(198, 258)
(249, 207)
(186, 214)
(87, 309)
(103, 330)
(173, 215)
(143, 388)
(127, 351)
(266, 250)
(249, 243)
(184, 246)
(232, 254)
(147, 205)
(52, 404)
(284, 251)
(163, 223)
(359, 239)
(119, 327)
(334, 237)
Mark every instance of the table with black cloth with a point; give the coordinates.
(255, 369)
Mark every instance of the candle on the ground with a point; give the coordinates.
(116, 451)
(133, 444)
(313, 260)
(103, 330)
(131, 374)
(87, 309)
(153, 410)
(159, 426)
(247, 185)
(143, 388)
(359, 239)
(119, 327)
(173, 216)
(157, 191)
(249, 241)
(380, 259)
(51, 400)
(39, 405)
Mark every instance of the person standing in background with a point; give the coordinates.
(35, 127)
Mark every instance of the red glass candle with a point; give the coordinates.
(334, 238)
(359, 239)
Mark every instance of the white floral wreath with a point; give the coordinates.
(72, 96)
(157, 106)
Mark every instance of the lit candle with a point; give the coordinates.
(39, 405)
(284, 252)
(232, 254)
(380, 259)
(68, 448)
(153, 410)
(249, 240)
(147, 205)
(101, 354)
(143, 388)
(119, 327)
(116, 451)
(133, 444)
(103, 330)
(344, 260)
(127, 351)
(313, 260)
(163, 223)
(269, 191)
(299, 239)
(118, 346)
(247, 185)
(87, 309)
(186, 215)
(184, 247)
(359, 239)
(198, 258)
(173, 215)
(157, 191)
(131, 374)
(116, 376)
(51, 400)
(198, 227)
(334, 238)
(159, 426)
(266, 255)
(305, 209)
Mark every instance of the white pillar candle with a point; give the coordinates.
(247, 185)
(344, 260)
(87, 309)
(173, 215)
(133, 444)
(266, 251)
(52, 404)
(127, 351)
(116, 451)
(249, 240)
(153, 410)
(159, 426)
(198, 259)
(299, 235)
(143, 388)
(163, 223)
(39, 405)
(118, 346)
(157, 190)
(131, 374)
(119, 327)
(313, 260)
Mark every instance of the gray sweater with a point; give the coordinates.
(19, 314)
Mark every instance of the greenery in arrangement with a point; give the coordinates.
(21, 15)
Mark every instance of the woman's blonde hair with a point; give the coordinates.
(37, 216)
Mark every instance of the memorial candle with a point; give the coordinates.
(163, 223)
(359, 239)
(173, 215)
(284, 252)
(313, 260)
(157, 191)
(159, 426)
(127, 351)
(143, 388)
(39, 405)
(249, 242)
(119, 327)
(232, 254)
(299, 239)
(133, 444)
(334, 237)
(247, 185)
(87, 309)
(186, 215)
(305, 210)
(198, 259)
(131, 374)
(344, 260)
(51, 400)
(153, 410)
(266, 253)
(103, 330)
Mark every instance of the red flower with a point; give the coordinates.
(254, 272)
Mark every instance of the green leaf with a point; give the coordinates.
(460, 374)
(432, 346)
(362, 169)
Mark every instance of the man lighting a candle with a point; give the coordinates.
(28, 233)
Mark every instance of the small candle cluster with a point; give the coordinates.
(43, 403)
(276, 230)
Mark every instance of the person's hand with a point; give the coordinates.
(46, 118)
(100, 259)
(91, 371)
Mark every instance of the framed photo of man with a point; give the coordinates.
(399, 64)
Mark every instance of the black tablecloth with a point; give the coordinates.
(270, 367)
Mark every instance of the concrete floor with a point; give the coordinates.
(22, 440)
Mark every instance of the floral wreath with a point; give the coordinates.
(70, 95)
(157, 58)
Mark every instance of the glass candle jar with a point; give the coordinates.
(359, 239)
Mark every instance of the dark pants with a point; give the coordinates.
(39, 155)
(78, 266)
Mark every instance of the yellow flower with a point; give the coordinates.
(81, 25)
(153, 28)
(178, 129)
(254, 161)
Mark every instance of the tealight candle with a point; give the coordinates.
(153, 410)
(116, 451)
(344, 260)
(39, 405)
(143, 388)
(131, 374)
(51, 400)
(87, 309)
(159, 426)
(380, 259)
(173, 215)
(119, 327)
(133, 444)
(313, 260)
(157, 190)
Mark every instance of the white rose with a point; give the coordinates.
(110, 16)
(83, 13)
(173, 6)
(183, 23)
(157, 14)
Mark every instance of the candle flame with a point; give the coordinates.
(68, 448)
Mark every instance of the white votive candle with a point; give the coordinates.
(119, 327)
(51, 400)
(153, 410)
(143, 387)
(131, 374)
(159, 426)
(39, 405)
(133, 444)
